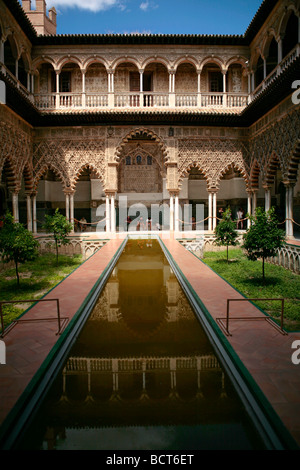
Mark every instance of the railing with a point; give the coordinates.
(212, 99)
(96, 100)
(236, 100)
(250, 318)
(278, 69)
(70, 100)
(187, 100)
(45, 101)
(61, 323)
(52, 101)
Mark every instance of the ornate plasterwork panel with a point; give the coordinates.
(213, 157)
(16, 150)
(140, 171)
(279, 141)
(67, 158)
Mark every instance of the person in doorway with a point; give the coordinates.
(128, 222)
(82, 224)
(221, 211)
(240, 217)
(149, 223)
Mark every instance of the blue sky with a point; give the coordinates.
(153, 16)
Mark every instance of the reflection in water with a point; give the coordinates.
(142, 374)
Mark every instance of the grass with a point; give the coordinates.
(246, 277)
(36, 279)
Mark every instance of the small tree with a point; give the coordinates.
(263, 237)
(17, 244)
(59, 226)
(225, 231)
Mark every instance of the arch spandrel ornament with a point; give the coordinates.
(141, 133)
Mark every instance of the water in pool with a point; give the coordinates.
(142, 375)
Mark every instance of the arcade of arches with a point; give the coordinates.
(216, 167)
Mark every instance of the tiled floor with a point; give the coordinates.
(265, 352)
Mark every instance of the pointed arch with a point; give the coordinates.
(235, 166)
(44, 168)
(272, 165)
(8, 169)
(254, 175)
(83, 167)
(142, 133)
(187, 169)
(292, 170)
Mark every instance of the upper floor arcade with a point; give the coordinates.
(211, 73)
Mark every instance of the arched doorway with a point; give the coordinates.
(141, 176)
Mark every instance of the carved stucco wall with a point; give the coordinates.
(273, 140)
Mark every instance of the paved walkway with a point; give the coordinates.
(265, 352)
(28, 344)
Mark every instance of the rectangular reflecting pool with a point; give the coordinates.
(142, 375)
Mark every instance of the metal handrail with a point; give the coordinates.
(269, 319)
(59, 318)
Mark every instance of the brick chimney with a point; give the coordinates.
(43, 24)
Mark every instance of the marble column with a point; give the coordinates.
(171, 212)
(210, 211)
(176, 213)
(34, 219)
(15, 206)
(107, 212)
(29, 212)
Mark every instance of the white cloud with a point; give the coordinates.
(147, 5)
(91, 5)
(144, 6)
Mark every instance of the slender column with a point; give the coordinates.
(111, 96)
(291, 227)
(107, 213)
(172, 89)
(141, 88)
(210, 211)
(34, 220)
(113, 213)
(254, 201)
(29, 212)
(171, 213)
(214, 210)
(224, 90)
(199, 89)
(83, 89)
(265, 67)
(249, 208)
(289, 211)
(112, 82)
(57, 90)
(71, 196)
(32, 83)
(267, 199)
(15, 206)
(176, 213)
(67, 195)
